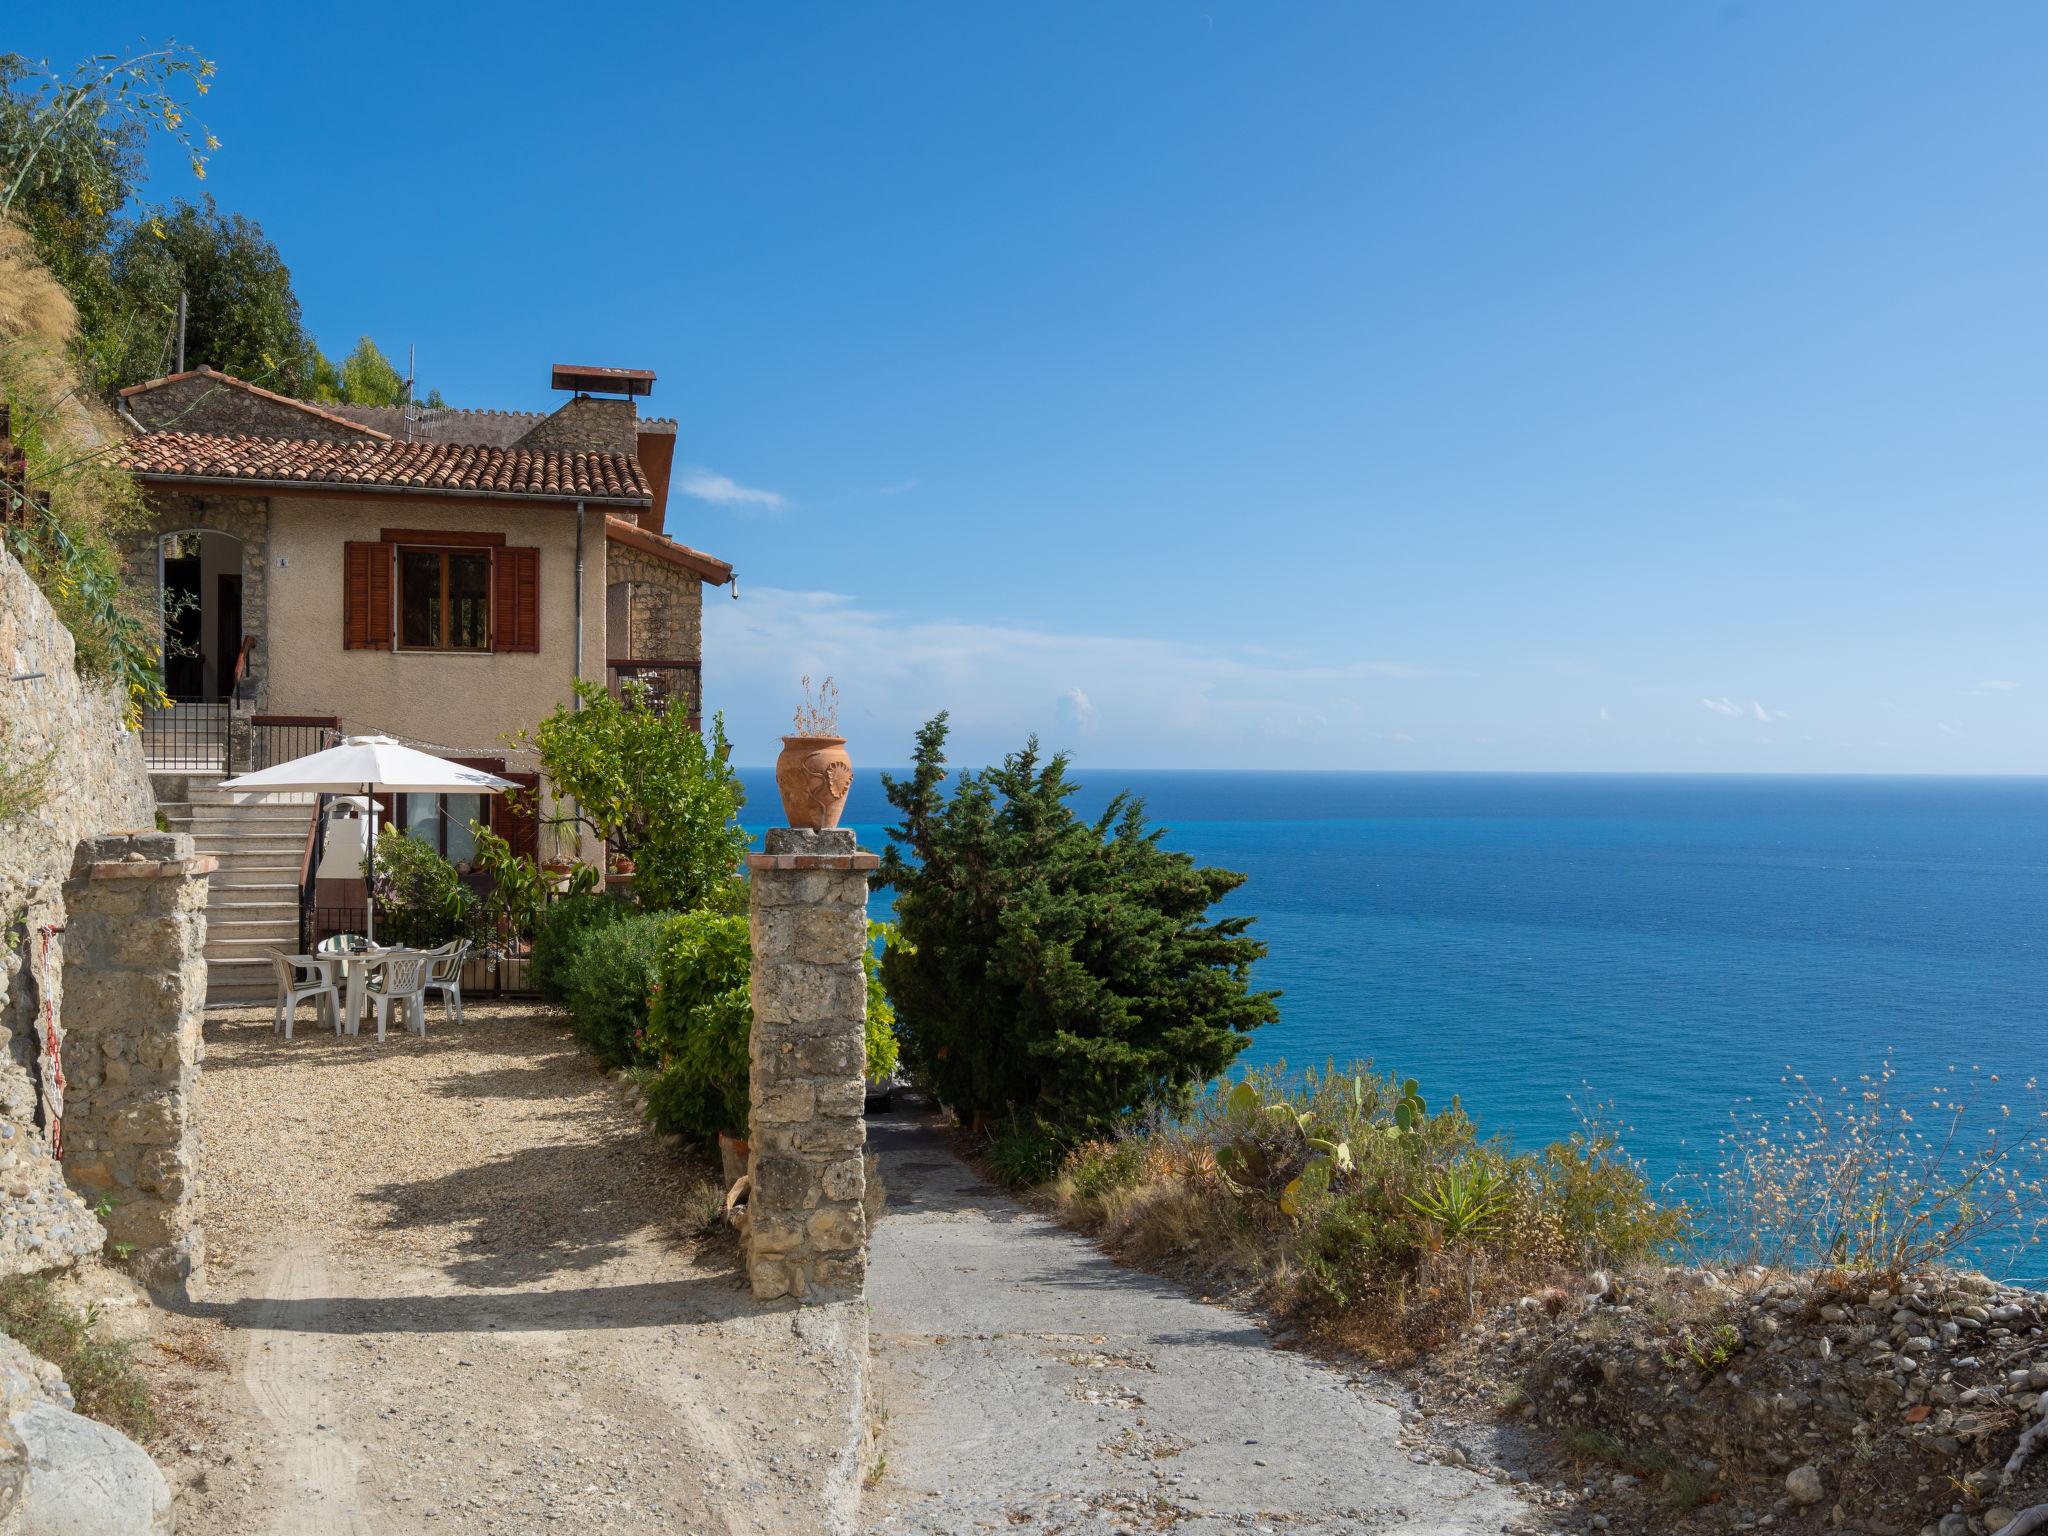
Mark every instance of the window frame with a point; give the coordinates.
(402, 806)
(444, 551)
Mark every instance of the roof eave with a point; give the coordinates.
(706, 568)
(342, 487)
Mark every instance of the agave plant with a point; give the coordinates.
(1467, 1201)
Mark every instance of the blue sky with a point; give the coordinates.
(1480, 386)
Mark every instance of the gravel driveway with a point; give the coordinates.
(456, 1287)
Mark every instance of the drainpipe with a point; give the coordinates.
(576, 699)
(579, 596)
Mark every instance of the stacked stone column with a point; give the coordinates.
(134, 1003)
(806, 1230)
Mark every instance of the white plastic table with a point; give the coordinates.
(355, 970)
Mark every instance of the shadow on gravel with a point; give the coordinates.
(535, 1212)
(664, 1304)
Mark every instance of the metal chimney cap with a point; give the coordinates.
(603, 381)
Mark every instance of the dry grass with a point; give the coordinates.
(34, 308)
(1864, 1179)
(98, 1367)
(1339, 1200)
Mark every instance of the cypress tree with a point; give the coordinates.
(1056, 970)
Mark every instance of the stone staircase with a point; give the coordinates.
(253, 902)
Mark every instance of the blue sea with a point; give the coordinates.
(1669, 945)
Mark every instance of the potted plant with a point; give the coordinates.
(813, 773)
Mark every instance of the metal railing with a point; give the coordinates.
(309, 871)
(275, 739)
(670, 684)
(187, 733)
(506, 973)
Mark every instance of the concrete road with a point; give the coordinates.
(1032, 1385)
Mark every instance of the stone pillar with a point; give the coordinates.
(241, 739)
(806, 1231)
(134, 1000)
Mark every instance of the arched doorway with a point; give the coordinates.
(200, 579)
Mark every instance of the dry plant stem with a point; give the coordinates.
(2026, 1522)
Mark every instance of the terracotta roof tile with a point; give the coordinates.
(470, 467)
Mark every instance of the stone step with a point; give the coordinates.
(250, 840)
(219, 910)
(239, 940)
(248, 876)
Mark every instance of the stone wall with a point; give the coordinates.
(96, 781)
(204, 401)
(134, 1001)
(243, 517)
(806, 1229)
(664, 605)
(588, 424)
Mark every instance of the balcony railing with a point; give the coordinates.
(275, 739)
(669, 684)
(187, 733)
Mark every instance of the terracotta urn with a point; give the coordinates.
(813, 774)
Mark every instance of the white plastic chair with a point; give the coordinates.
(300, 977)
(399, 976)
(444, 975)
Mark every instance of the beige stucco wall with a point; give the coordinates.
(456, 704)
(465, 703)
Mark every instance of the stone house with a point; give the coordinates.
(440, 576)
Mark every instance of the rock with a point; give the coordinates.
(1953, 1525)
(1998, 1517)
(1804, 1484)
(88, 1480)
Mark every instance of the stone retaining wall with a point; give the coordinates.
(806, 1229)
(135, 998)
(116, 976)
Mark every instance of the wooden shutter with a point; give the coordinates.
(521, 827)
(366, 597)
(515, 587)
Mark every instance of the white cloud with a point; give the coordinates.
(1946, 729)
(1726, 707)
(724, 491)
(1603, 713)
(1764, 716)
(1076, 709)
(900, 487)
(1135, 699)
(1996, 685)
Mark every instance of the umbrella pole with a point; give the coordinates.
(370, 873)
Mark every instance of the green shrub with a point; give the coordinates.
(702, 1017)
(1025, 1153)
(699, 1026)
(560, 933)
(1098, 1168)
(1064, 969)
(609, 984)
(883, 1051)
(421, 900)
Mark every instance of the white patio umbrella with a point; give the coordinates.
(363, 765)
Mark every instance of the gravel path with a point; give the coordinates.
(457, 1287)
(1032, 1385)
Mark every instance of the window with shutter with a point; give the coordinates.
(516, 600)
(366, 597)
